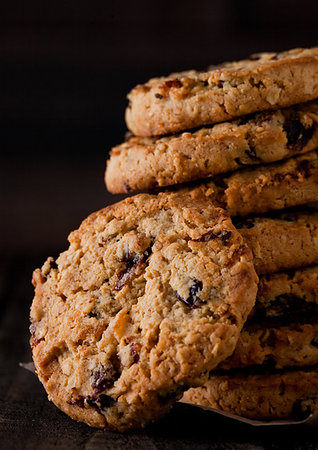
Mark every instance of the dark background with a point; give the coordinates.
(65, 70)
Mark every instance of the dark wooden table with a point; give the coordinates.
(29, 421)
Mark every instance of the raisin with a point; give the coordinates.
(174, 83)
(134, 350)
(100, 402)
(158, 96)
(223, 235)
(193, 298)
(79, 401)
(104, 378)
(297, 135)
(132, 264)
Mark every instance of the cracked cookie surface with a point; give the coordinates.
(150, 162)
(191, 99)
(150, 296)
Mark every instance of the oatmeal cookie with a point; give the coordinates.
(150, 296)
(289, 394)
(282, 329)
(275, 186)
(191, 99)
(150, 162)
(281, 241)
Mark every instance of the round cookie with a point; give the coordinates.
(150, 296)
(282, 241)
(146, 163)
(275, 186)
(191, 99)
(286, 394)
(282, 329)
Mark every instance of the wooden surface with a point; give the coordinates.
(29, 421)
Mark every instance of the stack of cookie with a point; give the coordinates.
(251, 127)
(151, 297)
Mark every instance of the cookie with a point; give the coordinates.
(150, 296)
(288, 240)
(282, 329)
(150, 162)
(291, 394)
(274, 186)
(191, 99)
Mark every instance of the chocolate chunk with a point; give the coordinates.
(174, 83)
(297, 135)
(132, 262)
(223, 235)
(193, 299)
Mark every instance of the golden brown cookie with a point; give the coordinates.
(282, 329)
(191, 99)
(150, 162)
(289, 394)
(150, 296)
(281, 241)
(275, 186)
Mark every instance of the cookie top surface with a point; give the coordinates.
(190, 99)
(148, 162)
(151, 295)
